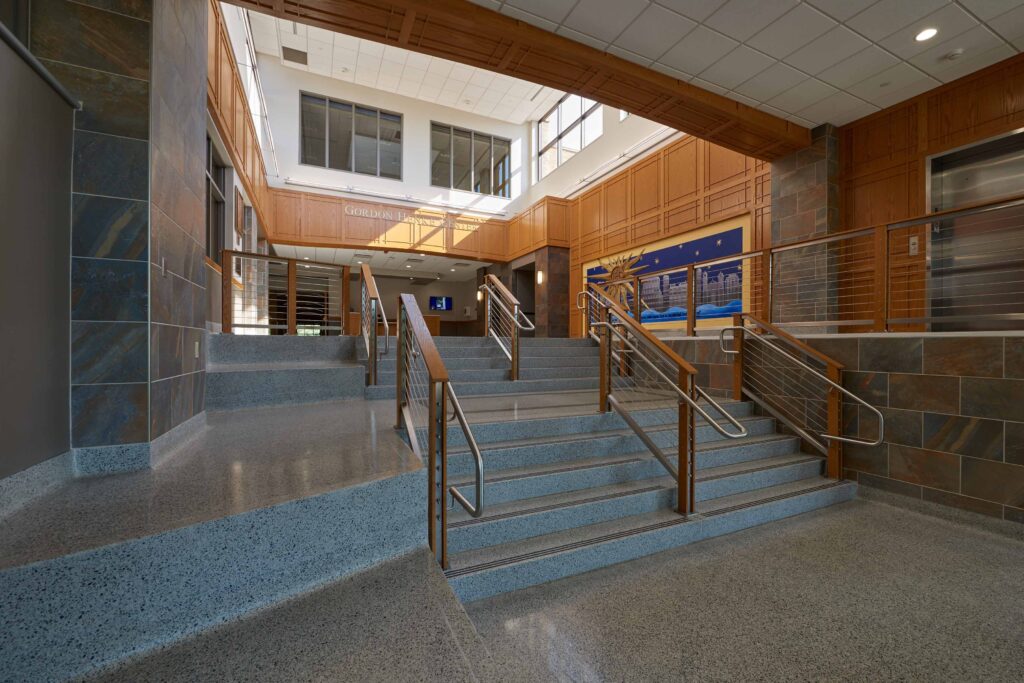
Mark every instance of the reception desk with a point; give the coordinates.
(433, 324)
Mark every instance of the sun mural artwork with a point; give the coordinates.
(617, 279)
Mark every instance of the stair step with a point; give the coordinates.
(571, 448)
(483, 572)
(243, 385)
(384, 391)
(519, 518)
(230, 349)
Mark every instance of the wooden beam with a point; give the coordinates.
(407, 22)
(461, 31)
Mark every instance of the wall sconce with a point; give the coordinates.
(479, 295)
(540, 277)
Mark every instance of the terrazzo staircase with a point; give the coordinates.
(245, 371)
(575, 492)
(477, 366)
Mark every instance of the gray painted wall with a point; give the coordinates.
(35, 184)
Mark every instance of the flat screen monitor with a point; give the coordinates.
(440, 303)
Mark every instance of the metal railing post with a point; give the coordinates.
(346, 275)
(766, 283)
(437, 476)
(637, 306)
(487, 313)
(737, 363)
(684, 502)
(881, 266)
(835, 424)
(292, 303)
(605, 354)
(691, 301)
(373, 342)
(400, 362)
(515, 342)
(227, 304)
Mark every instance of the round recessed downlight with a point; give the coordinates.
(926, 34)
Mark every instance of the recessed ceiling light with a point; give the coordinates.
(453, 270)
(305, 258)
(926, 34)
(408, 266)
(359, 262)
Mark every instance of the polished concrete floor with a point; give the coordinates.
(858, 592)
(243, 460)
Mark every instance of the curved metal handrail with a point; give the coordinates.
(478, 459)
(834, 385)
(515, 317)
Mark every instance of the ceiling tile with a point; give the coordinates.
(654, 31)
(701, 48)
(603, 19)
(371, 48)
(629, 56)
(1011, 24)
(831, 48)
(841, 10)
(951, 21)
(740, 19)
(700, 83)
(987, 9)
(802, 95)
(489, 4)
(323, 35)
(539, 22)
(968, 64)
(893, 85)
(582, 38)
(552, 10)
(854, 69)
(792, 30)
(669, 71)
(975, 43)
(885, 17)
(698, 10)
(773, 81)
(837, 109)
(737, 67)
(742, 99)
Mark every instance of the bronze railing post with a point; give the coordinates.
(835, 424)
(684, 496)
(227, 307)
(605, 355)
(292, 304)
(515, 343)
(766, 284)
(438, 471)
(399, 363)
(737, 362)
(881, 266)
(691, 301)
(346, 273)
(487, 312)
(637, 305)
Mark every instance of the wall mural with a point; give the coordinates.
(663, 295)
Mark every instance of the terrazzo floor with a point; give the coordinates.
(243, 460)
(858, 592)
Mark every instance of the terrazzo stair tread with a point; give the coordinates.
(560, 371)
(526, 361)
(282, 365)
(521, 518)
(482, 572)
(523, 386)
(558, 351)
(460, 363)
(263, 384)
(493, 429)
(456, 375)
(527, 504)
(230, 349)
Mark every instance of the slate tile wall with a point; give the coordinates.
(177, 225)
(101, 52)
(954, 418)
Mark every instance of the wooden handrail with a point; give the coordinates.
(642, 331)
(793, 341)
(431, 358)
(506, 294)
(371, 285)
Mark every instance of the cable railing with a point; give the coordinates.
(504, 320)
(371, 320)
(269, 295)
(423, 396)
(795, 383)
(954, 270)
(653, 389)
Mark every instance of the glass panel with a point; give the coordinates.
(546, 130)
(390, 145)
(548, 161)
(463, 160)
(571, 143)
(482, 163)
(339, 127)
(593, 126)
(314, 124)
(502, 168)
(366, 141)
(569, 111)
(440, 156)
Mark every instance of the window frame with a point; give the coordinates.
(216, 202)
(472, 160)
(352, 137)
(556, 141)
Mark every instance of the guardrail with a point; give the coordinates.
(371, 317)
(504, 320)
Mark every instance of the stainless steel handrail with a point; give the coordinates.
(682, 394)
(528, 326)
(814, 371)
(644, 436)
(474, 511)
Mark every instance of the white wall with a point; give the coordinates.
(463, 294)
(599, 156)
(281, 88)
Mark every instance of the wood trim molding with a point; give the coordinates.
(464, 32)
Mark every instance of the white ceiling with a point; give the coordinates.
(403, 72)
(810, 62)
(393, 263)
